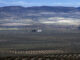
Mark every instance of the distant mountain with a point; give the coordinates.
(49, 16)
(18, 12)
(53, 8)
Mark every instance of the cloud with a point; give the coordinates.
(75, 4)
(36, 3)
(21, 3)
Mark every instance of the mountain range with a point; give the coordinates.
(56, 15)
(24, 12)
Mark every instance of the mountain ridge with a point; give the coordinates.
(40, 7)
(48, 15)
(19, 12)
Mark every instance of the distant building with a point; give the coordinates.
(79, 28)
(39, 30)
(34, 30)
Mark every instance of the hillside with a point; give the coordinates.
(50, 15)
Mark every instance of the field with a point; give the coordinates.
(48, 39)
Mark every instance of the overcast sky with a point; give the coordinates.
(28, 3)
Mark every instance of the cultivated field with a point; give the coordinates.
(49, 39)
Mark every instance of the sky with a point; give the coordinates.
(29, 3)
